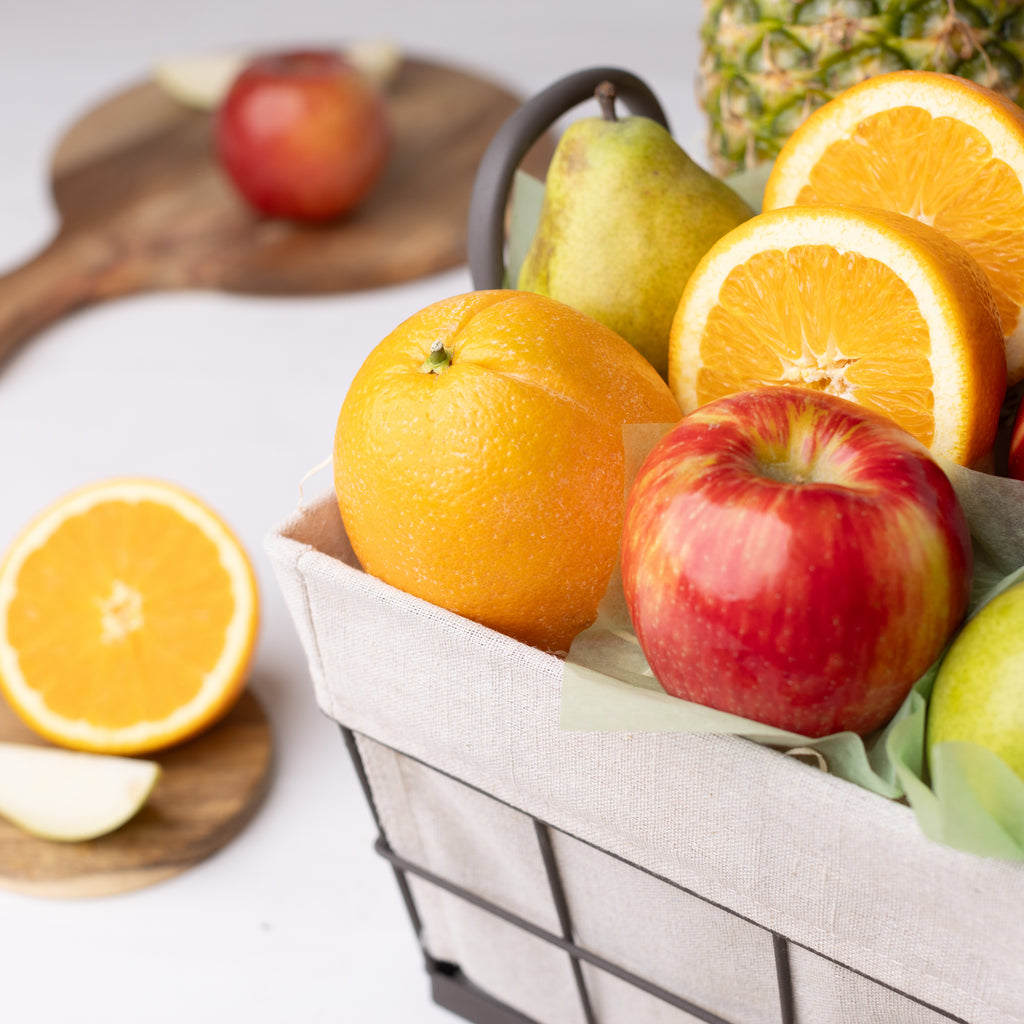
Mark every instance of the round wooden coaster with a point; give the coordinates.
(209, 789)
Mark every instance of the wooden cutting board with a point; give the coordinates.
(143, 205)
(209, 789)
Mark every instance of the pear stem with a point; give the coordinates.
(439, 359)
(605, 94)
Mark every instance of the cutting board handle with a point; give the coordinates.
(74, 270)
(485, 244)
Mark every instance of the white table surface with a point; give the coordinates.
(296, 920)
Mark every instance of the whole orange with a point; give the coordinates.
(487, 476)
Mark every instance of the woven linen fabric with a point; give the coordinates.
(846, 876)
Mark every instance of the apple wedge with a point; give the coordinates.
(69, 796)
(201, 80)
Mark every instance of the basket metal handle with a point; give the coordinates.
(485, 248)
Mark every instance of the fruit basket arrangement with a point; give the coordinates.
(574, 840)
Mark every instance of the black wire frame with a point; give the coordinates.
(451, 988)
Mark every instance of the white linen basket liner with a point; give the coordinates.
(844, 874)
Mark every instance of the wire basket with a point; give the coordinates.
(558, 877)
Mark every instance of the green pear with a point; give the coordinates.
(979, 690)
(626, 217)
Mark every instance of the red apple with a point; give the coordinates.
(303, 135)
(792, 558)
(1015, 459)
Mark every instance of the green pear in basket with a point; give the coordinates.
(627, 215)
(979, 691)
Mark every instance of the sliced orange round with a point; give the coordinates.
(869, 305)
(939, 148)
(128, 615)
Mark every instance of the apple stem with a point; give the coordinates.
(605, 94)
(438, 360)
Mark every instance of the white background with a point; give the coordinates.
(297, 920)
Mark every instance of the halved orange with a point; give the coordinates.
(939, 148)
(866, 304)
(128, 615)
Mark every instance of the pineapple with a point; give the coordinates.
(766, 64)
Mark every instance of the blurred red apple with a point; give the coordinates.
(1015, 459)
(303, 135)
(792, 558)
